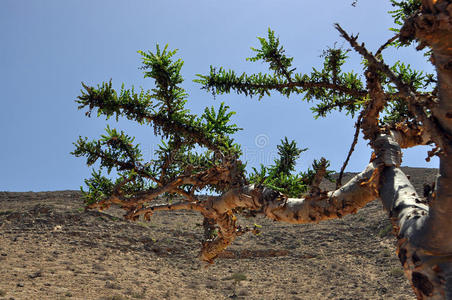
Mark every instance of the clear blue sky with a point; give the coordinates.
(48, 47)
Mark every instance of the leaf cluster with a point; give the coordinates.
(272, 53)
(281, 177)
(403, 10)
(396, 109)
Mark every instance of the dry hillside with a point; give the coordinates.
(50, 248)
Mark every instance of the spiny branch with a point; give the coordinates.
(94, 99)
(306, 85)
(430, 124)
(374, 107)
(247, 84)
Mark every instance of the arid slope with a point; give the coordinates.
(50, 248)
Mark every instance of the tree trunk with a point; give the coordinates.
(426, 269)
(432, 239)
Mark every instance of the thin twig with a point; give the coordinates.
(352, 148)
(386, 44)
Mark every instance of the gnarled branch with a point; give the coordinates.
(430, 124)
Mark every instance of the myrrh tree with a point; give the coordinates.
(396, 108)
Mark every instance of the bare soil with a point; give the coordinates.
(50, 248)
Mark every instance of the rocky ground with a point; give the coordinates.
(50, 248)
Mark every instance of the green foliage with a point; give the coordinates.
(404, 9)
(108, 102)
(288, 154)
(100, 188)
(291, 185)
(280, 177)
(416, 79)
(218, 122)
(396, 109)
(163, 107)
(166, 74)
(330, 86)
(190, 143)
(333, 98)
(311, 172)
(194, 144)
(272, 53)
(114, 149)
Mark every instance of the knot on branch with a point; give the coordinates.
(408, 134)
(268, 195)
(227, 232)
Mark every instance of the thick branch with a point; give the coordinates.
(315, 207)
(216, 175)
(426, 265)
(409, 135)
(348, 199)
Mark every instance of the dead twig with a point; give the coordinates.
(352, 148)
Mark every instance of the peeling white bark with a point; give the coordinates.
(422, 247)
(348, 199)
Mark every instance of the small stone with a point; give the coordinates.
(35, 275)
(20, 284)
